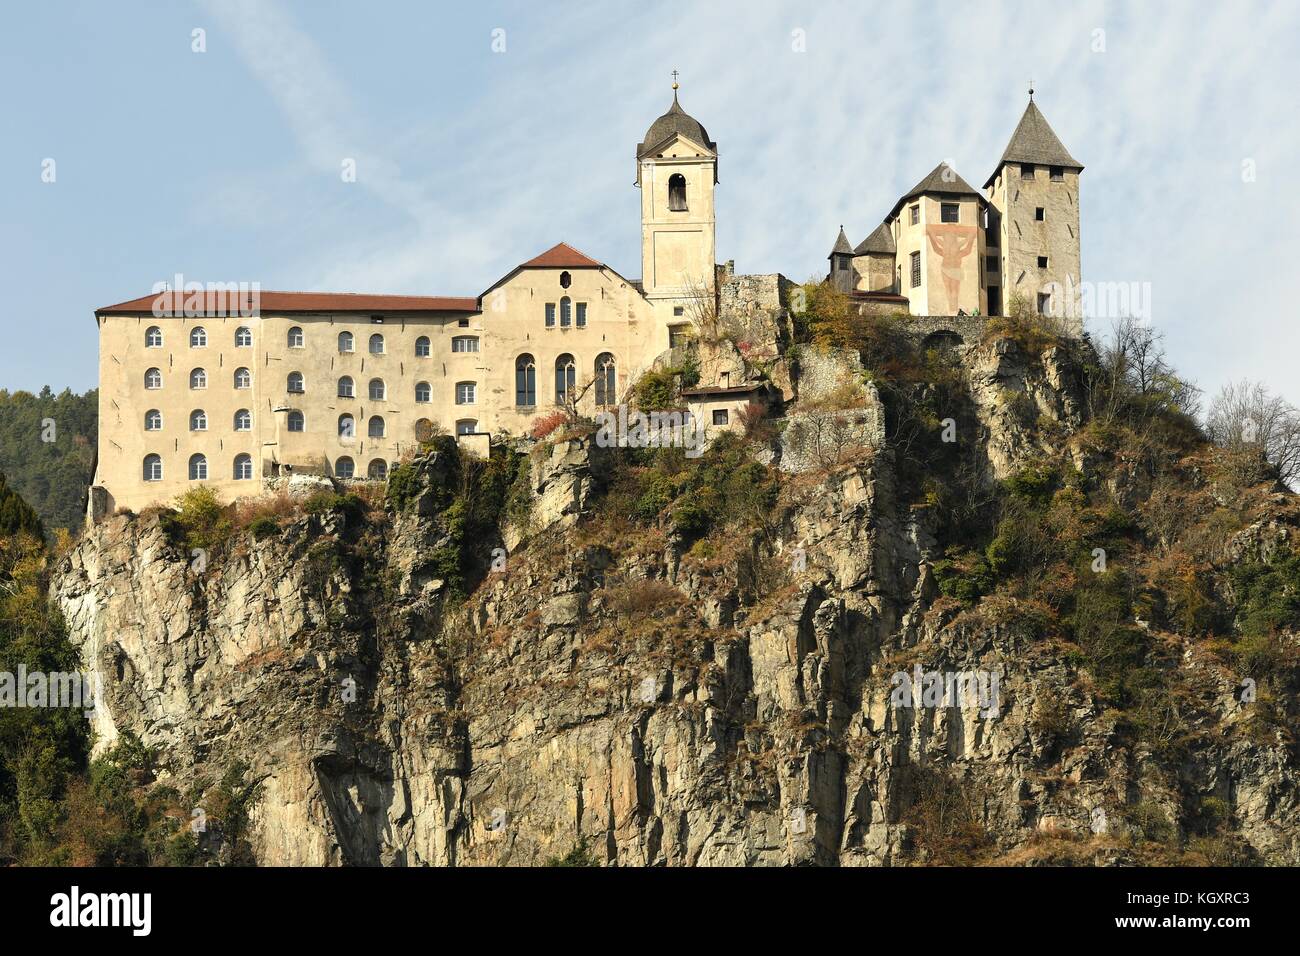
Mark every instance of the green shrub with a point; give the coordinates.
(199, 521)
(579, 855)
(264, 527)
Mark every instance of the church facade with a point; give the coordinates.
(227, 386)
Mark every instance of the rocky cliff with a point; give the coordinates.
(715, 680)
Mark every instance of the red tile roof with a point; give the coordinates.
(238, 301)
(561, 256)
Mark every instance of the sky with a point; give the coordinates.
(136, 149)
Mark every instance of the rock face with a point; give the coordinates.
(641, 699)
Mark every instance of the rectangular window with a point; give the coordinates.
(582, 315)
(916, 269)
(843, 264)
(950, 212)
(677, 336)
(1044, 303)
(462, 323)
(679, 310)
(1058, 174)
(1026, 170)
(720, 416)
(464, 343)
(1042, 262)
(916, 214)
(991, 263)
(464, 393)
(1038, 213)
(566, 313)
(550, 315)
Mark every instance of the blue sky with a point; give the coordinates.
(225, 165)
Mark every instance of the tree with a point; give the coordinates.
(1246, 416)
(15, 514)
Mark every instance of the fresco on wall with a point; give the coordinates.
(952, 242)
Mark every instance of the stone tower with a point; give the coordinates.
(676, 170)
(1033, 196)
(841, 257)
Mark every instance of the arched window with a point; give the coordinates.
(566, 312)
(606, 379)
(295, 422)
(198, 378)
(377, 390)
(152, 468)
(198, 420)
(566, 376)
(295, 337)
(466, 426)
(347, 427)
(198, 468)
(376, 344)
(376, 427)
(566, 280)
(423, 429)
(464, 343)
(153, 420)
(243, 420)
(677, 192)
(423, 392)
(198, 337)
(422, 349)
(243, 337)
(296, 383)
(344, 467)
(345, 387)
(243, 378)
(153, 378)
(243, 467)
(153, 337)
(346, 342)
(466, 393)
(525, 381)
(377, 470)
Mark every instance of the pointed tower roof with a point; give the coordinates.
(942, 179)
(841, 247)
(881, 240)
(1035, 142)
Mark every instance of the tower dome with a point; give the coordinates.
(676, 120)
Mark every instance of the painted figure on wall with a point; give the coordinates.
(952, 242)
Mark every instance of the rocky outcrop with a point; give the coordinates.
(733, 705)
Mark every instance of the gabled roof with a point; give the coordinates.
(561, 256)
(241, 301)
(841, 247)
(1035, 142)
(943, 180)
(881, 240)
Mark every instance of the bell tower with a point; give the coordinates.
(676, 170)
